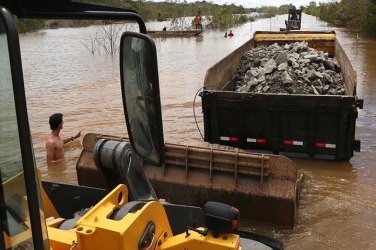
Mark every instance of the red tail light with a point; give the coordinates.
(320, 145)
(233, 139)
(288, 142)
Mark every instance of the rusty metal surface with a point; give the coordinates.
(264, 187)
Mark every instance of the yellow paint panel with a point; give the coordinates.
(61, 239)
(196, 241)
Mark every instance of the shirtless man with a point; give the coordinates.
(54, 143)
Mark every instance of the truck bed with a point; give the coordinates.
(320, 126)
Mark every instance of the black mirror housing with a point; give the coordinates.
(141, 97)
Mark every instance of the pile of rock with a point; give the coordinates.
(293, 69)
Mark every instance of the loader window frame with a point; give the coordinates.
(26, 173)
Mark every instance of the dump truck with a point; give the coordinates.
(298, 125)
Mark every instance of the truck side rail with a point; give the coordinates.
(348, 72)
(220, 75)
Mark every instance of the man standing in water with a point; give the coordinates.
(55, 143)
(197, 22)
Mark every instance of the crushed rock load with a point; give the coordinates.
(292, 69)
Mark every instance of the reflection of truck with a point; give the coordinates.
(42, 215)
(320, 126)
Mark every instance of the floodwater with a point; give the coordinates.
(338, 201)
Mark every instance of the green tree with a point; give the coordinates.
(359, 15)
(268, 11)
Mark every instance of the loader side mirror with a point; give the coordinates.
(141, 98)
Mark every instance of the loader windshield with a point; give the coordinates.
(14, 190)
(15, 213)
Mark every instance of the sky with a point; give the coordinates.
(259, 3)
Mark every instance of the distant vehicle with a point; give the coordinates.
(294, 20)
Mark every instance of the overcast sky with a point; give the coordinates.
(259, 3)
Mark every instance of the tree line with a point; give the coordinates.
(271, 11)
(222, 16)
(356, 14)
(359, 15)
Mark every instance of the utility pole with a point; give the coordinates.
(270, 24)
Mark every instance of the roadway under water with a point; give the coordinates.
(338, 201)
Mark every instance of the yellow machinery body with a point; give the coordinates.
(95, 229)
(34, 217)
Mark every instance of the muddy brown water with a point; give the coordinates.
(338, 201)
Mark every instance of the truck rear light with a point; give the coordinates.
(261, 141)
(257, 140)
(288, 142)
(233, 139)
(292, 142)
(229, 138)
(324, 145)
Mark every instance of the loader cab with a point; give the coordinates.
(21, 211)
(116, 222)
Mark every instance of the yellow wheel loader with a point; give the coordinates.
(43, 215)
